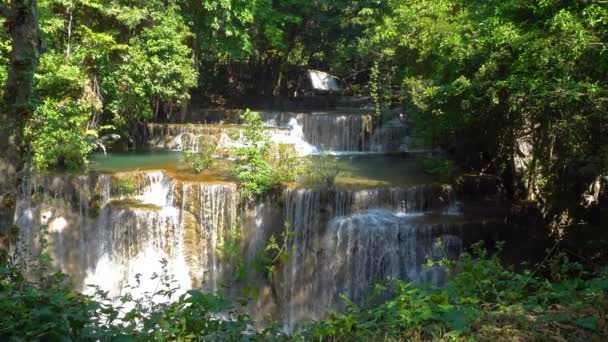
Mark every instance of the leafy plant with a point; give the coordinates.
(122, 186)
(260, 166)
(276, 252)
(251, 167)
(441, 167)
(59, 136)
(323, 171)
(285, 164)
(202, 159)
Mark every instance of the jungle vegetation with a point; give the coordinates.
(512, 88)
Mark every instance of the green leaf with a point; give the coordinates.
(588, 322)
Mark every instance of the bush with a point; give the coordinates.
(251, 167)
(323, 171)
(285, 164)
(123, 187)
(440, 167)
(483, 300)
(260, 166)
(59, 136)
(203, 159)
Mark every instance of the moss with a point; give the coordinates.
(123, 186)
(134, 204)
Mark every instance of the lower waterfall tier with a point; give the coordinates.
(120, 229)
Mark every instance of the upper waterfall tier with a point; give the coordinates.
(310, 132)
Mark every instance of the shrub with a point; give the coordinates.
(286, 165)
(123, 187)
(260, 166)
(203, 159)
(440, 167)
(323, 171)
(251, 167)
(59, 136)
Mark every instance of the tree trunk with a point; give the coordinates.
(22, 22)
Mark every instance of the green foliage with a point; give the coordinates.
(251, 167)
(60, 136)
(380, 89)
(50, 310)
(323, 171)
(157, 69)
(204, 158)
(483, 300)
(5, 48)
(285, 163)
(441, 167)
(230, 251)
(510, 87)
(39, 304)
(123, 186)
(260, 166)
(276, 252)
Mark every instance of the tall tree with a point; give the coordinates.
(22, 25)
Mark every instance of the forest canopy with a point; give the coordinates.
(515, 88)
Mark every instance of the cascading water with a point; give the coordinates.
(344, 244)
(320, 129)
(105, 233)
(308, 132)
(102, 236)
(119, 229)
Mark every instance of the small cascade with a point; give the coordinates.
(354, 136)
(393, 136)
(319, 129)
(308, 132)
(362, 250)
(208, 213)
(133, 243)
(346, 241)
(193, 137)
(397, 199)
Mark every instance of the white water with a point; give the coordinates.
(309, 133)
(345, 240)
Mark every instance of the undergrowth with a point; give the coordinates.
(482, 300)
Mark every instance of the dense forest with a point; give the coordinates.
(512, 90)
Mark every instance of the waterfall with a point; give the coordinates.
(321, 129)
(308, 132)
(348, 240)
(192, 137)
(397, 199)
(131, 244)
(100, 234)
(121, 229)
(344, 131)
(371, 247)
